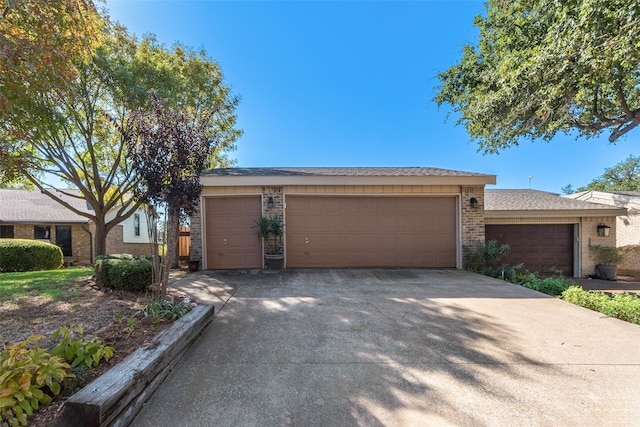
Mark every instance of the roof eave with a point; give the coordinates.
(559, 213)
(243, 181)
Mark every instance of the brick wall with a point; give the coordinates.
(472, 217)
(115, 244)
(590, 237)
(195, 251)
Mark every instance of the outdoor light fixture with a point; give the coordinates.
(270, 202)
(603, 230)
(474, 202)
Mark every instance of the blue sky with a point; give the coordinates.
(351, 83)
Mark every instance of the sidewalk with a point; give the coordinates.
(618, 286)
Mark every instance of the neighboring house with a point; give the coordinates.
(548, 232)
(627, 226)
(131, 236)
(340, 217)
(33, 215)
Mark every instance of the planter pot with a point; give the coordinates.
(193, 265)
(274, 262)
(607, 272)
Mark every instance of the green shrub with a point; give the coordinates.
(123, 271)
(621, 306)
(28, 255)
(487, 258)
(27, 376)
(550, 285)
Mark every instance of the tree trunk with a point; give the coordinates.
(175, 261)
(173, 224)
(100, 238)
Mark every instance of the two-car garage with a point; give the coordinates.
(337, 231)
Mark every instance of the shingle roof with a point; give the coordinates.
(338, 171)
(541, 201)
(22, 206)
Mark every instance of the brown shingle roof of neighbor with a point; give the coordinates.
(22, 206)
(500, 202)
(338, 171)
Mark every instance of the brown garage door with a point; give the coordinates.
(230, 239)
(543, 248)
(370, 231)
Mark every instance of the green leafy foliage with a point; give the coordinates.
(28, 378)
(29, 255)
(124, 272)
(545, 67)
(487, 258)
(608, 255)
(271, 229)
(81, 350)
(549, 285)
(165, 311)
(621, 306)
(72, 130)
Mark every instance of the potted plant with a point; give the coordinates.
(607, 257)
(271, 230)
(194, 264)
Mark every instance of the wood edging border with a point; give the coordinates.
(115, 397)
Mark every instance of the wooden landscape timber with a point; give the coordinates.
(114, 398)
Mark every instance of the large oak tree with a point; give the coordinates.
(543, 67)
(73, 131)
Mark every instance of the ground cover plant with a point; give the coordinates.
(621, 306)
(79, 319)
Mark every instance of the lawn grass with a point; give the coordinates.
(52, 283)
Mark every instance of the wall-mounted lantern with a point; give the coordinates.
(603, 230)
(270, 202)
(474, 202)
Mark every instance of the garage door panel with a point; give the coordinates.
(230, 238)
(372, 231)
(542, 248)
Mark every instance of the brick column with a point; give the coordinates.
(472, 217)
(195, 231)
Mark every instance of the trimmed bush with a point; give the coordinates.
(29, 255)
(621, 306)
(551, 285)
(123, 271)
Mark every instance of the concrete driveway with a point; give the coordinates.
(397, 348)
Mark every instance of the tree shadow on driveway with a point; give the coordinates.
(380, 347)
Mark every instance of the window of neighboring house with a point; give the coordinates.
(42, 232)
(63, 239)
(6, 231)
(136, 224)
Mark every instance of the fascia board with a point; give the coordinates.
(241, 181)
(555, 213)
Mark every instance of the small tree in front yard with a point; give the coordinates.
(169, 149)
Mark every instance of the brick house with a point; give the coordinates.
(33, 215)
(340, 217)
(627, 227)
(548, 232)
